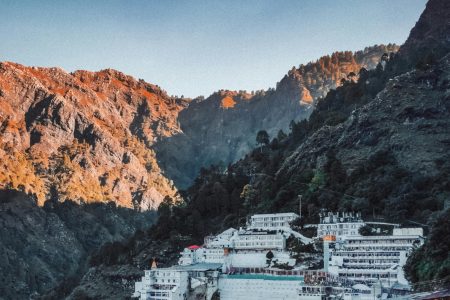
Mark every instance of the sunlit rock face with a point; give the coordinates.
(87, 134)
(101, 136)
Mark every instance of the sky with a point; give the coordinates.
(194, 48)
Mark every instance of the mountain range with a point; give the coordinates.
(105, 136)
(84, 153)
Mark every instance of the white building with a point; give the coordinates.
(222, 240)
(178, 282)
(339, 224)
(242, 242)
(271, 221)
(214, 255)
(368, 259)
(191, 255)
(162, 284)
(258, 240)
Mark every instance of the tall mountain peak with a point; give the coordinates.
(431, 34)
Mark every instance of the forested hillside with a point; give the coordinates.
(221, 129)
(42, 246)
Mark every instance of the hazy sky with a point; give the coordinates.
(196, 47)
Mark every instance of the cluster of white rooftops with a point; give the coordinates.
(263, 233)
(347, 254)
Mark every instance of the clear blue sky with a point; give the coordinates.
(196, 47)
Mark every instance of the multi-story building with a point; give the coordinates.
(369, 259)
(240, 241)
(177, 282)
(339, 224)
(191, 255)
(162, 284)
(271, 221)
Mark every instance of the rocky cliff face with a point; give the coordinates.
(324, 74)
(87, 134)
(93, 135)
(431, 34)
(222, 128)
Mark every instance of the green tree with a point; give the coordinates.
(262, 138)
(317, 181)
(165, 208)
(365, 230)
(249, 195)
(432, 260)
(269, 257)
(281, 135)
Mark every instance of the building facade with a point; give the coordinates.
(339, 224)
(271, 221)
(162, 284)
(178, 282)
(259, 240)
(236, 264)
(191, 255)
(369, 259)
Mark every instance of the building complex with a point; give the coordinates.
(255, 263)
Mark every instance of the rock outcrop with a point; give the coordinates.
(431, 34)
(88, 134)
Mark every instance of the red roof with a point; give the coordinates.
(193, 247)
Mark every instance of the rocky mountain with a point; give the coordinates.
(324, 74)
(222, 128)
(378, 145)
(430, 36)
(101, 136)
(88, 134)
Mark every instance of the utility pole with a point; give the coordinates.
(300, 204)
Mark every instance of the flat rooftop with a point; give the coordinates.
(264, 277)
(289, 214)
(380, 237)
(196, 267)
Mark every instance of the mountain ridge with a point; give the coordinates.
(102, 136)
(214, 134)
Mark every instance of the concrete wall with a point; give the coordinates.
(256, 289)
